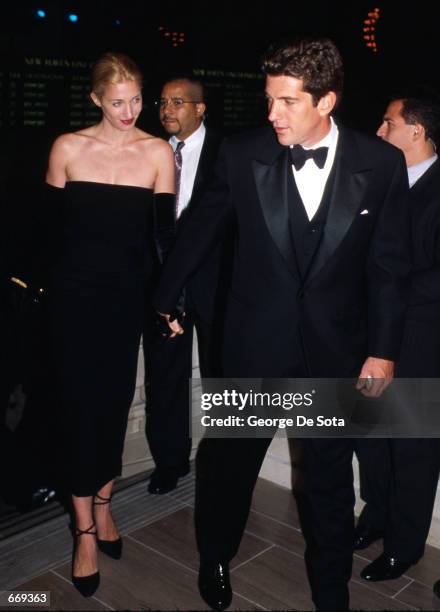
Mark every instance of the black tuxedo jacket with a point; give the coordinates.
(352, 303)
(424, 199)
(420, 356)
(207, 286)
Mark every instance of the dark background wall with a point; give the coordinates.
(222, 42)
(229, 35)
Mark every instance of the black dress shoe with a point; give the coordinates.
(164, 480)
(384, 568)
(364, 536)
(436, 588)
(214, 585)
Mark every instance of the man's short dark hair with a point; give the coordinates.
(316, 61)
(195, 83)
(423, 108)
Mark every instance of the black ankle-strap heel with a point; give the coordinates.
(103, 501)
(111, 548)
(86, 585)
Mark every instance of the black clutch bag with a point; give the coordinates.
(24, 300)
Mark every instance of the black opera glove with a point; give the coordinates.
(165, 229)
(45, 239)
(164, 223)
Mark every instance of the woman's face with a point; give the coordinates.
(121, 104)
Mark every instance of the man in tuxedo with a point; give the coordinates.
(318, 289)
(399, 476)
(169, 363)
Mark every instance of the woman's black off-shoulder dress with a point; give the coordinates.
(98, 299)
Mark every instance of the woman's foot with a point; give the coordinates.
(85, 574)
(109, 541)
(105, 524)
(85, 556)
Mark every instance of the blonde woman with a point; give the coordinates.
(107, 179)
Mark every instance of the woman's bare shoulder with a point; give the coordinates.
(153, 142)
(72, 140)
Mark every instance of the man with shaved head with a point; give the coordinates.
(169, 363)
(183, 118)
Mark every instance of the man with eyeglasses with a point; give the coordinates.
(169, 363)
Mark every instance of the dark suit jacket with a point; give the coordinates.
(206, 288)
(420, 356)
(351, 304)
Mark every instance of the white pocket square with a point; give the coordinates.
(365, 212)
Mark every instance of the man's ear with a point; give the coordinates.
(200, 108)
(95, 99)
(419, 132)
(327, 103)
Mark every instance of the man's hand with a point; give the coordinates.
(375, 376)
(173, 324)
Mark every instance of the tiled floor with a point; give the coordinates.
(159, 566)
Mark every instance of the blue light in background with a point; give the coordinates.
(73, 18)
(41, 14)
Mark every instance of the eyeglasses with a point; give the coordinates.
(175, 102)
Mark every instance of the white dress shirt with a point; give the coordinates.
(190, 160)
(310, 180)
(416, 171)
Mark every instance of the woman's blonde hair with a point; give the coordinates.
(112, 68)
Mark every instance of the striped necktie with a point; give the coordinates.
(178, 165)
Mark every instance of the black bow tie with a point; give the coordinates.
(300, 155)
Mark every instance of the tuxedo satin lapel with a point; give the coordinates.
(198, 179)
(349, 188)
(197, 187)
(425, 181)
(271, 181)
(201, 168)
(208, 156)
